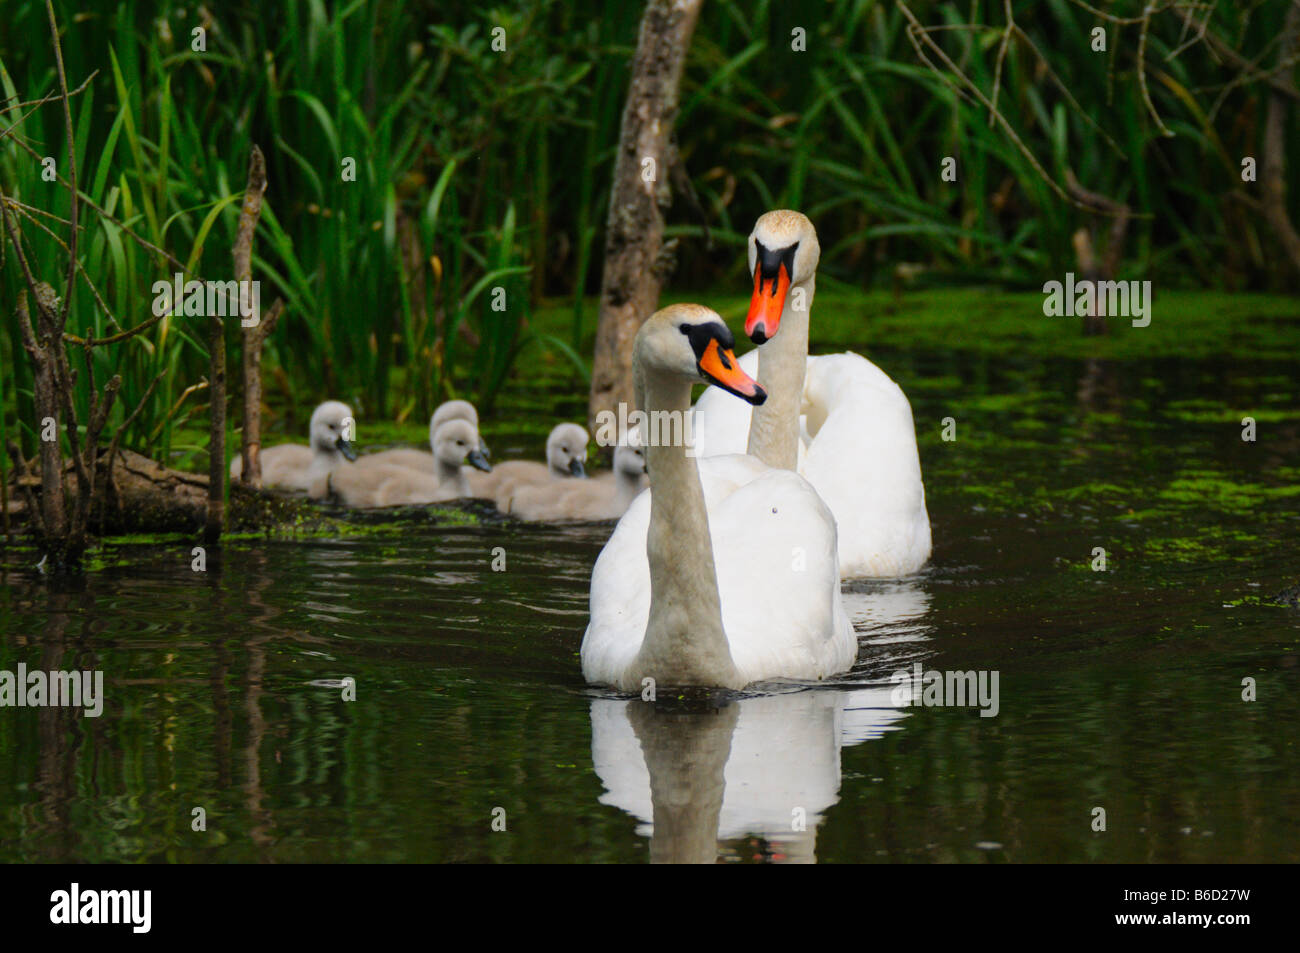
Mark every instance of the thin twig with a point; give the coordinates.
(1142, 74)
(158, 429)
(114, 339)
(1002, 55)
(1188, 20)
(129, 232)
(117, 436)
(72, 167)
(48, 98)
(85, 276)
(919, 31)
(32, 284)
(23, 480)
(31, 211)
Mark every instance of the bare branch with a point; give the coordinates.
(117, 435)
(85, 276)
(15, 238)
(158, 428)
(919, 33)
(72, 166)
(48, 98)
(1142, 73)
(254, 335)
(1002, 55)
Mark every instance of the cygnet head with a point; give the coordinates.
(456, 410)
(333, 429)
(690, 341)
(566, 450)
(457, 442)
(783, 252)
(629, 461)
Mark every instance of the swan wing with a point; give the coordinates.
(284, 465)
(774, 544)
(864, 463)
(409, 457)
(857, 449)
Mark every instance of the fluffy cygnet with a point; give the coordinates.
(605, 497)
(455, 443)
(418, 459)
(295, 467)
(566, 449)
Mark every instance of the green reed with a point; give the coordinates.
(478, 172)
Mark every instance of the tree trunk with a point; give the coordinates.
(633, 270)
(1273, 168)
(254, 334)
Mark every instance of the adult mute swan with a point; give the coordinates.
(293, 466)
(725, 572)
(858, 445)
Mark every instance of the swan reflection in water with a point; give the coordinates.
(729, 765)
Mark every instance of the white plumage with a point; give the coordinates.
(857, 449)
(774, 551)
(762, 601)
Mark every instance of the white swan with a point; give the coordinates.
(293, 466)
(858, 446)
(418, 459)
(604, 497)
(725, 573)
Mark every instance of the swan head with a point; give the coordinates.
(456, 442)
(783, 253)
(690, 340)
(456, 410)
(566, 450)
(333, 429)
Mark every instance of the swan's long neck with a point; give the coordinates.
(774, 427)
(453, 475)
(684, 641)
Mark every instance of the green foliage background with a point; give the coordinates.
(477, 168)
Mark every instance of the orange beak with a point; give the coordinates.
(766, 305)
(719, 366)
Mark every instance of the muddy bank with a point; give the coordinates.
(143, 497)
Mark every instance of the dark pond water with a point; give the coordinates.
(1119, 690)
